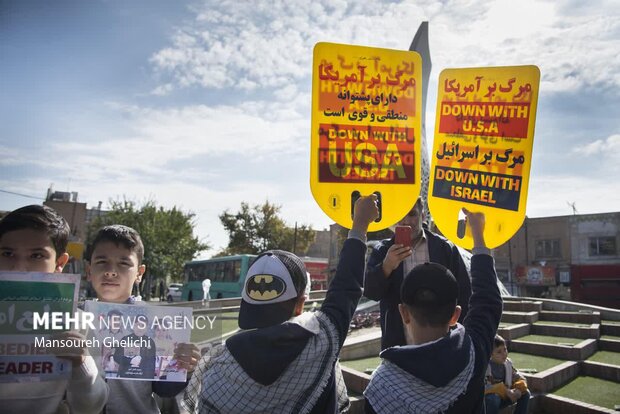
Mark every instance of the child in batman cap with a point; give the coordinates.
(286, 360)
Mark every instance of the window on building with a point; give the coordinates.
(602, 246)
(548, 248)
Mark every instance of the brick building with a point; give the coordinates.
(567, 257)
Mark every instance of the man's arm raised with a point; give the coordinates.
(485, 305)
(346, 289)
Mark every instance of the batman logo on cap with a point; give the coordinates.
(265, 287)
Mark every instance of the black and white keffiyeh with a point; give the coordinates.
(220, 385)
(393, 390)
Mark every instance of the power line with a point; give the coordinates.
(21, 195)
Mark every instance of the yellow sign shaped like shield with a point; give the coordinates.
(366, 130)
(482, 154)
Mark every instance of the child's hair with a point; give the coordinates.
(121, 236)
(430, 291)
(431, 313)
(498, 341)
(40, 218)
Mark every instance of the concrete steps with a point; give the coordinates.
(519, 317)
(533, 317)
(578, 352)
(608, 328)
(571, 317)
(582, 332)
(522, 306)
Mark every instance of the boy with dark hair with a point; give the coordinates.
(114, 266)
(504, 383)
(286, 361)
(390, 262)
(443, 365)
(34, 239)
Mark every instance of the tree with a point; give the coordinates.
(255, 229)
(168, 236)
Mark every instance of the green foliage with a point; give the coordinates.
(254, 229)
(167, 234)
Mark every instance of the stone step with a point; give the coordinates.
(579, 352)
(522, 306)
(591, 331)
(554, 377)
(607, 372)
(610, 329)
(519, 317)
(608, 344)
(512, 332)
(362, 346)
(552, 403)
(572, 317)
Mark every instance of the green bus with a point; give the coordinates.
(227, 276)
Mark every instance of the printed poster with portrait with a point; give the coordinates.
(482, 152)
(137, 342)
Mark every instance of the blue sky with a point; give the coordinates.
(205, 104)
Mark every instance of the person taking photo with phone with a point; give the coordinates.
(390, 261)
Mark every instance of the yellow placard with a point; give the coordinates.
(366, 129)
(482, 153)
(75, 249)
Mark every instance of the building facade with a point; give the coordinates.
(566, 257)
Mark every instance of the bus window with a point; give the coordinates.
(207, 271)
(237, 270)
(229, 271)
(219, 272)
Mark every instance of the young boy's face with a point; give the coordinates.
(499, 355)
(113, 271)
(29, 250)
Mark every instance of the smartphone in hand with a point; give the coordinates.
(403, 235)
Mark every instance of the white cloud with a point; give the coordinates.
(549, 195)
(601, 154)
(154, 138)
(255, 58)
(270, 45)
(608, 147)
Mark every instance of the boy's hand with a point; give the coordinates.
(365, 212)
(476, 225)
(395, 254)
(75, 354)
(187, 356)
(513, 394)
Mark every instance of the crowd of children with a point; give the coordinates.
(285, 360)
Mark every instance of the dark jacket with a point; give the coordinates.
(438, 363)
(266, 354)
(387, 289)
